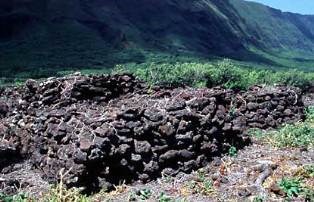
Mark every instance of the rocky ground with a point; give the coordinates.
(251, 175)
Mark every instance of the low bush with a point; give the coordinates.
(291, 135)
(223, 73)
(191, 74)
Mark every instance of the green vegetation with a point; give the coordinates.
(162, 69)
(242, 30)
(294, 187)
(291, 135)
(259, 199)
(14, 198)
(164, 198)
(202, 184)
(144, 194)
(232, 151)
(65, 195)
(291, 186)
(309, 170)
(224, 73)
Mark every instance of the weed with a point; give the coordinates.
(132, 197)
(294, 187)
(202, 184)
(232, 151)
(61, 194)
(309, 170)
(164, 198)
(144, 194)
(259, 199)
(291, 135)
(308, 194)
(310, 114)
(201, 175)
(15, 198)
(291, 186)
(294, 135)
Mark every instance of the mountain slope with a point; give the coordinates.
(58, 34)
(272, 28)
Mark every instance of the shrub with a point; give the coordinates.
(291, 135)
(191, 74)
(223, 73)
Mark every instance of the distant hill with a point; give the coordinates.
(60, 34)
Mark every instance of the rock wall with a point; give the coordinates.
(101, 130)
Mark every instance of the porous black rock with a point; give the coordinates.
(102, 130)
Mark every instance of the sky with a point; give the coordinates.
(296, 6)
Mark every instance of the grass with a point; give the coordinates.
(299, 134)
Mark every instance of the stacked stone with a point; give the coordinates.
(271, 107)
(99, 131)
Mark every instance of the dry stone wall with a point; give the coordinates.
(100, 130)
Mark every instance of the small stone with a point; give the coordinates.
(32, 85)
(85, 144)
(168, 156)
(123, 162)
(167, 129)
(133, 124)
(143, 177)
(244, 193)
(176, 105)
(95, 154)
(189, 166)
(151, 167)
(288, 112)
(80, 157)
(197, 138)
(252, 105)
(136, 157)
(153, 115)
(4, 109)
(227, 127)
(280, 108)
(183, 127)
(123, 149)
(169, 172)
(142, 147)
(276, 189)
(185, 154)
(186, 137)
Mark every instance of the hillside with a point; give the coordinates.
(51, 36)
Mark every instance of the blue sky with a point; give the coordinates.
(296, 6)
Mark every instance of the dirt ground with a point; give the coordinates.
(251, 175)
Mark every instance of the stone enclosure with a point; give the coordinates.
(97, 131)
